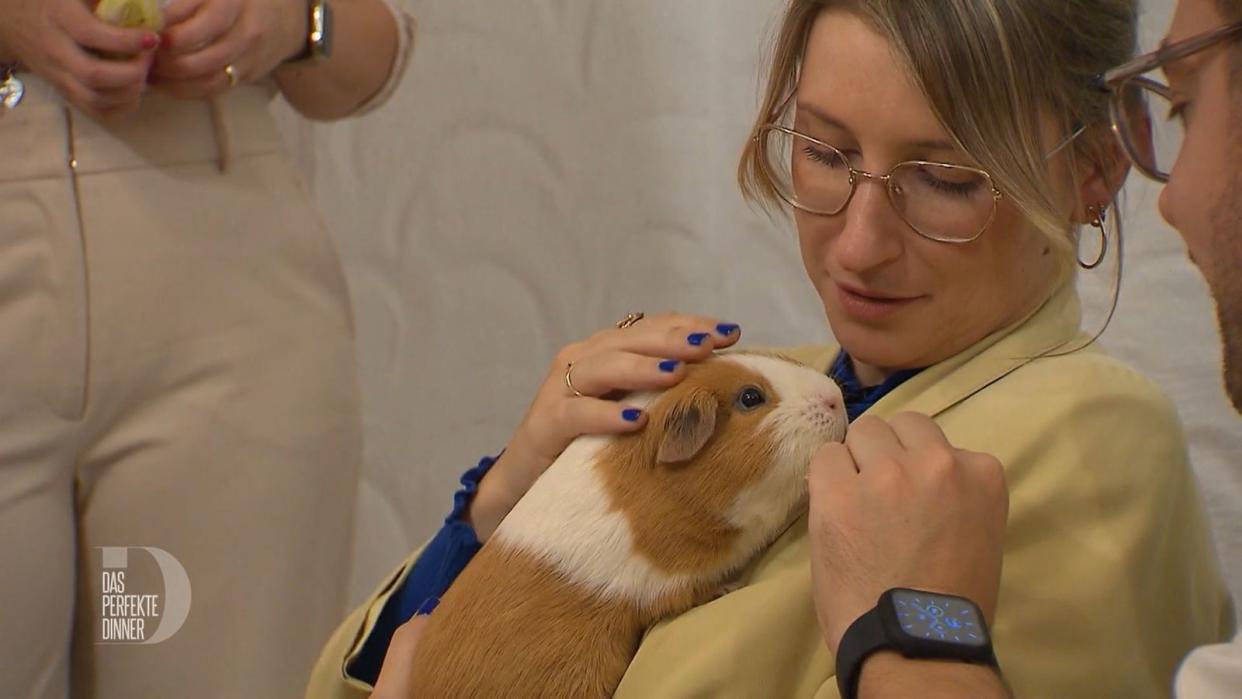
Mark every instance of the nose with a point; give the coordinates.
(873, 234)
(1166, 206)
(831, 403)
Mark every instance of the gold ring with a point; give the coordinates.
(232, 75)
(629, 319)
(569, 381)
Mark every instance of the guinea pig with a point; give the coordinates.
(623, 531)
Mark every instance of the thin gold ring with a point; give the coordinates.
(569, 381)
(231, 72)
(629, 319)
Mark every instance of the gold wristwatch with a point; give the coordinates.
(319, 37)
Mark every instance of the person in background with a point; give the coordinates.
(941, 159)
(175, 344)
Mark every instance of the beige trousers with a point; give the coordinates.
(176, 373)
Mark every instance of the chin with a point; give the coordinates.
(872, 346)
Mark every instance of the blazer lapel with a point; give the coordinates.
(1053, 327)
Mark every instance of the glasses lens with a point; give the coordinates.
(945, 202)
(807, 174)
(1151, 131)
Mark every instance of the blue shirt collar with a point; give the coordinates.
(859, 398)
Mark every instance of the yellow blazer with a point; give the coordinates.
(1109, 574)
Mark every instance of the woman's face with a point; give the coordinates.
(895, 299)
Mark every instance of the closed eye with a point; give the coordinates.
(822, 156)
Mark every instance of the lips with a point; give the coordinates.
(870, 306)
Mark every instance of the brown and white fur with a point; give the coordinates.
(621, 532)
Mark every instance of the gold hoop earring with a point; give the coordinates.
(1099, 216)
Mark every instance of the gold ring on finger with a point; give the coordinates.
(629, 319)
(231, 73)
(569, 381)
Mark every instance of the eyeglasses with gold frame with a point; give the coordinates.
(897, 181)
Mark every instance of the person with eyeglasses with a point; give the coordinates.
(941, 160)
(1183, 128)
(1186, 131)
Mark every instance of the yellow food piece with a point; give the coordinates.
(137, 14)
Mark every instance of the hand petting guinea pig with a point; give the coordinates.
(622, 531)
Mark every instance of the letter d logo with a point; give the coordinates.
(177, 591)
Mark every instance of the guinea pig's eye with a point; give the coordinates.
(750, 398)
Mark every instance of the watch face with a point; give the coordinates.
(935, 617)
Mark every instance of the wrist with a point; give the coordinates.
(885, 674)
(297, 32)
(491, 504)
(915, 624)
(846, 609)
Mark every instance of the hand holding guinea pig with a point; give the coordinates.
(650, 355)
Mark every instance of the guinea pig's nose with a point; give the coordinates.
(831, 403)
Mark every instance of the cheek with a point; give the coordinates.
(815, 234)
(994, 284)
(1177, 198)
(1186, 201)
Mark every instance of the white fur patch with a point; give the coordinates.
(597, 553)
(809, 412)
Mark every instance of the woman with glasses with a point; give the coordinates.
(939, 158)
(1150, 119)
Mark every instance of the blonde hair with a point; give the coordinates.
(991, 70)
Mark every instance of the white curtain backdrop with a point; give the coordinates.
(550, 165)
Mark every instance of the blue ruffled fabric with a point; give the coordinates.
(859, 398)
(444, 558)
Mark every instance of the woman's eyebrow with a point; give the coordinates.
(820, 115)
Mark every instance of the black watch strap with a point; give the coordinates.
(863, 637)
(958, 623)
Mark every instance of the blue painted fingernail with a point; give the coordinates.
(728, 329)
(668, 366)
(697, 339)
(631, 414)
(429, 605)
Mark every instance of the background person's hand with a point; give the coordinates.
(897, 506)
(202, 37)
(63, 42)
(651, 354)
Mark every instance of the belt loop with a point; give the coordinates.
(220, 126)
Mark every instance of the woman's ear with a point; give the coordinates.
(1102, 175)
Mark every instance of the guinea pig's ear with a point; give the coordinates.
(687, 427)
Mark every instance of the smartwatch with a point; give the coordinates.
(319, 34)
(917, 624)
